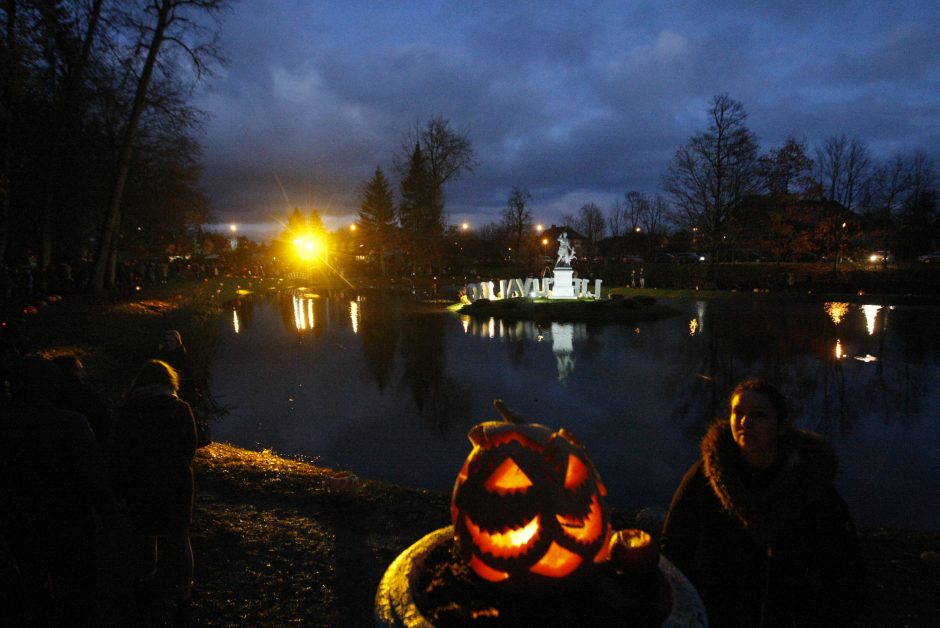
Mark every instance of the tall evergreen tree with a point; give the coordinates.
(419, 213)
(377, 215)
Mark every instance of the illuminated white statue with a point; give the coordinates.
(565, 250)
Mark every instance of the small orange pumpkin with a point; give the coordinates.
(633, 551)
(528, 508)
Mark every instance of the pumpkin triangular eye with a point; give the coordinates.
(508, 478)
(576, 474)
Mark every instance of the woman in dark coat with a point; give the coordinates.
(758, 526)
(154, 447)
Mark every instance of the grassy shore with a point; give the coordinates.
(274, 546)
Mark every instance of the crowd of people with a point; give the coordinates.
(71, 471)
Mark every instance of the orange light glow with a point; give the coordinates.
(309, 247)
(485, 571)
(585, 530)
(837, 310)
(576, 474)
(604, 551)
(508, 478)
(557, 562)
(508, 544)
(635, 538)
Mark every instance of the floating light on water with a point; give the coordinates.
(866, 358)
(235, 320)
(838, 349)
(465, 322)
(693, 326)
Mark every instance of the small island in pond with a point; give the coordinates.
(617, 309)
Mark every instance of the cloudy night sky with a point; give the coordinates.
(576, 101)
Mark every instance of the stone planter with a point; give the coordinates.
(395, 606)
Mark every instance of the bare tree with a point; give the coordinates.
(591, 224)
(179, 22)
(65, 104)
(635, 208)
(617, 219)
(710, 176)
(841, 167)
(918, 221)
(885, 194)
(447, 152)
(787, 170)
(517, 218)
(655, 220)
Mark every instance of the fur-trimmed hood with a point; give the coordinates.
(765, 501)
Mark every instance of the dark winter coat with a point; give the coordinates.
(79, 397)
(775, 543)
(154, 446)
(54, 494)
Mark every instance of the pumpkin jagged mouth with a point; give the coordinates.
(507, 544)
(584, 530)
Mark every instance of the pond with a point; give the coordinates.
(388, 388)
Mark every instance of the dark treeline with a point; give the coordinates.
(726, 199)
(100, 161)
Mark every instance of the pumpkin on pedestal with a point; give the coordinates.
(528, 508)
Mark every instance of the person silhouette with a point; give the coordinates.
(757, 525)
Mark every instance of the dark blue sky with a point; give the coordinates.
(577, 101)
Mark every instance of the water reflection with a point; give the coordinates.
(354, 314)
(365, 376)
(871, 317)
(836, 310)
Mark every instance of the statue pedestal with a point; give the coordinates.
(563, 287)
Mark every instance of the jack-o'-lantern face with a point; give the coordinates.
(528, 508)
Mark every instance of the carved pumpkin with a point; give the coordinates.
(528, 508)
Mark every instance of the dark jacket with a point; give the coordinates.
(79, 397)
(775, 543)
(154, 446)
(54, 494)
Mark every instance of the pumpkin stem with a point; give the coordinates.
(509, 415)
